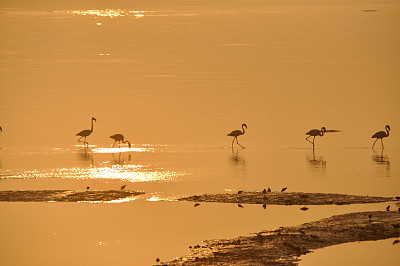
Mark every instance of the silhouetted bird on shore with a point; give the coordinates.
(369, 216)
(240, 192)
(264, 206)
(237, 133)
(85, 133)
(269, 189)
(264, 191)
(240, 205)
(381, 135)
(284, 189)
(123, 187)
(396, 242)
(303, 208)
(388, 208)
(87, 188)
(119, 138)
(196, 204)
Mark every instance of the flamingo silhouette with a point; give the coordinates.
(119, 138)
(237, 133)
(314, 133)
(381, 135)
(85, 133)
(1, 130)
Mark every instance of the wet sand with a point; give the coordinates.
(287, 198)
(65, 195)
(285, 245)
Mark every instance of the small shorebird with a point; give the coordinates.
(269, 189)
(240, 205)
(85, 133)
(381, 135)
(196, 204)
(123, 187)
(87, 188)
(303, 208)
(237, 133)
(388, 208)
(284, 189)
(240, 192)
(119, 138)
(264, 191)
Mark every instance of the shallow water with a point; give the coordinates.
(175, 78)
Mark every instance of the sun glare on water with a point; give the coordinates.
(110, 13)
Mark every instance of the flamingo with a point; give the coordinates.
(85, 133)
(119, 138)
(1, 130)
(314, 133)
(237, 133)
(381, 135)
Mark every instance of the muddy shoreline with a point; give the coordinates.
(287, 198)
(65, 195)
(285, 245)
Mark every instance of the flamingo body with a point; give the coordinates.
(381, 135)
(85, 133)
(315, 132)
(237, 133)
(119, 138)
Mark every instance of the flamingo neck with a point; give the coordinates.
(243, 129)
(91, 130)
(126, 141)
(387, 132)
(321, 133)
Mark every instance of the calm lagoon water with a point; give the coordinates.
(175, 78)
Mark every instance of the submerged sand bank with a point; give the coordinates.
(285, 245)
(65, 195)
(286, 198)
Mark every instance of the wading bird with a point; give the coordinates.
(381, 135)
(119, 138)
(283, 189)
(123, 187)
(315, 132)
(85, 133)
(237, 133)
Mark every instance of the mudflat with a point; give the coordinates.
(65, 195)
(287, 198)
(285, 245)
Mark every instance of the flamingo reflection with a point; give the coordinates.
(381, 135)
(236, 133)
(85, 133)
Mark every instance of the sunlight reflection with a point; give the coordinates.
(124, 149)
(127, 199)
(130, 173)
(110, 13)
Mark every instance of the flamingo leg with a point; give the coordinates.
(374, 143)
(84, 141)
(233, 141)
(309, 140)
(382, 143)
(114, 143)
(239, 143)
